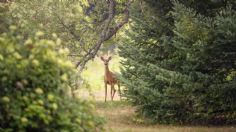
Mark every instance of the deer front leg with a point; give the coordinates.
(105, 92)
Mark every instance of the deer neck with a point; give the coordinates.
(107, 71)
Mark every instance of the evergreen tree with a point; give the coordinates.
(180, 66)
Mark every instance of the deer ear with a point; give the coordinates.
(102, 58)
(109, 58)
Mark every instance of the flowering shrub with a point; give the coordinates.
(34, 80)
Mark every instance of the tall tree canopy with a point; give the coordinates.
(83, 24)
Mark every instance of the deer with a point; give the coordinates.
(110, 79)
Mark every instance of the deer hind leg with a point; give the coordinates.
(105, 92)
(114, 90)
(111, 92)
(118, 84)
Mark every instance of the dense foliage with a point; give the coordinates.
(35, 79)
(179, 64)
(36, 76)
(3, 18)
(83, 24)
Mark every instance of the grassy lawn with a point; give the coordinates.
(120, 117)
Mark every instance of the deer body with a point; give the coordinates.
(109, 79)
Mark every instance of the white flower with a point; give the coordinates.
(1, 57)
(35, 62)
(17, 55)
(54, 35)
(13, 28)
(6, 99)
(38, 91)
(64, 77)
(58, 41)
(39, 33)
(28, 41)
(24, 120)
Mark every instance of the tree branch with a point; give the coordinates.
(107, 32)
(72, 33)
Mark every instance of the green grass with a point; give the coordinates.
(111, 105)
(120, 117)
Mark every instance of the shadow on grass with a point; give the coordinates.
(120, 117)
(111, 104)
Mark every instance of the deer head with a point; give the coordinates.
(106, 61)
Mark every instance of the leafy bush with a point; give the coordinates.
(35, 79)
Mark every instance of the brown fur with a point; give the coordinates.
(109, 79)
